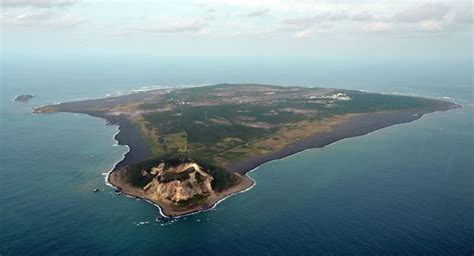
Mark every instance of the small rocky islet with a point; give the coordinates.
(23, 98)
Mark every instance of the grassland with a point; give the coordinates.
(224, 125)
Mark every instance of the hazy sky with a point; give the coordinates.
(408, 29)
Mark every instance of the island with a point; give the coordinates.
(190, 148)
(23, 98)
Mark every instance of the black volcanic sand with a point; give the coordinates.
(358, 125)
(129, 134)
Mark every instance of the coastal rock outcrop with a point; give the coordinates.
(23, 98)
(178, 184)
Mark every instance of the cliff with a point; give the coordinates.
(178, 186)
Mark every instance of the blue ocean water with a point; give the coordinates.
(403, 190)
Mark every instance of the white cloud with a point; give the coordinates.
(323, 17)
(304, 34)
(37, 3)
(120, 33)
(210, 17)
(464, 13)
(426, 17)
(254, 33)
(41, 19)
(377, 27)
(363, 16)
(295, 18)
(431, 26)
(300, 6)
(179, 27)
(427, 11)
(257, 13)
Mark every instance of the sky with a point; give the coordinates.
(332, 30)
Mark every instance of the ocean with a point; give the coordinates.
(402, 190)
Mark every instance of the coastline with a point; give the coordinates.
(244, 185)
(358, 125)
(128, 134)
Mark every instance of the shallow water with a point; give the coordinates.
(407, 189)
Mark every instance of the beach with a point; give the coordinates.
(355, 125)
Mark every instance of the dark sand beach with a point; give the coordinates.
(357, 125)
(129, 134)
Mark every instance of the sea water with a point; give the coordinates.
(406, 190)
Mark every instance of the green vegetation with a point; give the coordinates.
(176, 141)
(222, 178)
(368, 102)
(221, 124)
(171, 176)
(138, 175)
(194, 201)
(218, 126)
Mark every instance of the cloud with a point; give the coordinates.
(37, 3)
(328, 17)
(427, 11)
(464, 13)
(431, 26)
(120, 33)
(41, 19)
(377, 27)
(363, 16)
(254, 33)
(304, 34)
(179, 27)
(323, 17)
(210, 17)
(257, 13)
(427, 17)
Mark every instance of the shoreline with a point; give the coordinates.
(138, 149)
(127, 135)
(358, 125)
(244, 185)
(125, 127)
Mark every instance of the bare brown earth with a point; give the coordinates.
(170, 209)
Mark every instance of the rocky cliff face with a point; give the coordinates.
(179, 184)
